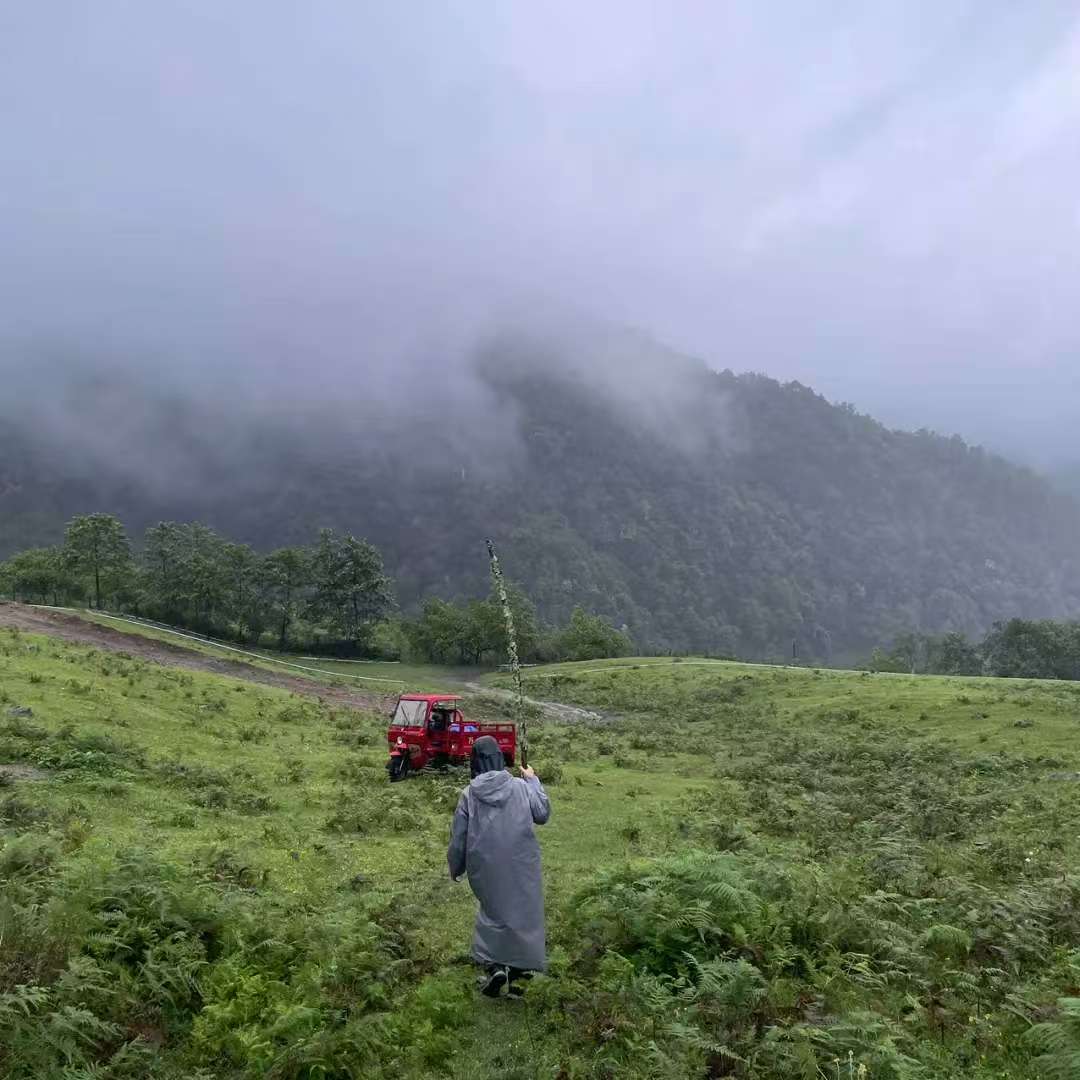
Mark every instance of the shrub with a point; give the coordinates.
(292, 771)
(691, 958)
(27, 857)
(366, 813)
(298, 712)
(16, 811)
(225, 867)
(312, 1002)
(116, 944)
(552, 774)
(1056, 1043)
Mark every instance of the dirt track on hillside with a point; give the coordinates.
(557, 711)
(59, 624)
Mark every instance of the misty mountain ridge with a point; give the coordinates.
(704, 510)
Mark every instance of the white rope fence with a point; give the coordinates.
(219, 645)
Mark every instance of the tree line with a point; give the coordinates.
(332, 596)
(1015, 648)
(470, 632)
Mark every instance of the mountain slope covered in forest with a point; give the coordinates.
(704, 510)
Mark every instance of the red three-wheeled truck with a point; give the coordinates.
(429, 729)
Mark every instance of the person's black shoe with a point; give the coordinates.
(515, 991)
(496, 979)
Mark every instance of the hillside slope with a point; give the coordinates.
(203, 877)
(705, 510)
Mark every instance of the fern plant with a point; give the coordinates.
(1056, 1043)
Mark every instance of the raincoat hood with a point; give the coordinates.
(493, 788)
(487, 756)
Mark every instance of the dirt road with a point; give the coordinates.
(557, 711)
(67, 627)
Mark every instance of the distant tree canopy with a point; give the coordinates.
(284, 576)
(331, 596)
(1017, 648)
(96, 546)
(350, 592)
(588, 637)
(41, 575)
(474, 632)
(188, 575)
(1024, 649)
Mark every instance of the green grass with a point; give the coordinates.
(886, 859)
(379, 676)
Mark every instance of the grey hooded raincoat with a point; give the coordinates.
(492, 840)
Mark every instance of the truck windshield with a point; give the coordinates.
(410, 714)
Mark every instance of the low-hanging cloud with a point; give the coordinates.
(304, 207)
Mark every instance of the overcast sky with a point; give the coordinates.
(879, 199)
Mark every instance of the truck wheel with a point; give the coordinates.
(398, 767)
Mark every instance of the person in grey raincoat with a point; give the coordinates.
(492, 840)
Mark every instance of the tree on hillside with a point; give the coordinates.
(162, 557)
(483, 631)
(482, 628)
(473, 632)
(206, 573)
(884, 660)
(436, 635)
(588, 637)
(40, 575)
(187, 576)
(953, 654)
(351, 592)
(910, 652)
(526, 623)
(97, 545)
(241, 566)
(283, 576)
(1033, 649)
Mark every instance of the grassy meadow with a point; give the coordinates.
(390, 677)
(751, 872)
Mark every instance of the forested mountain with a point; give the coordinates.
(704, 510)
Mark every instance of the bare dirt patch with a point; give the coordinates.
(21, 772)
(66, 627)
